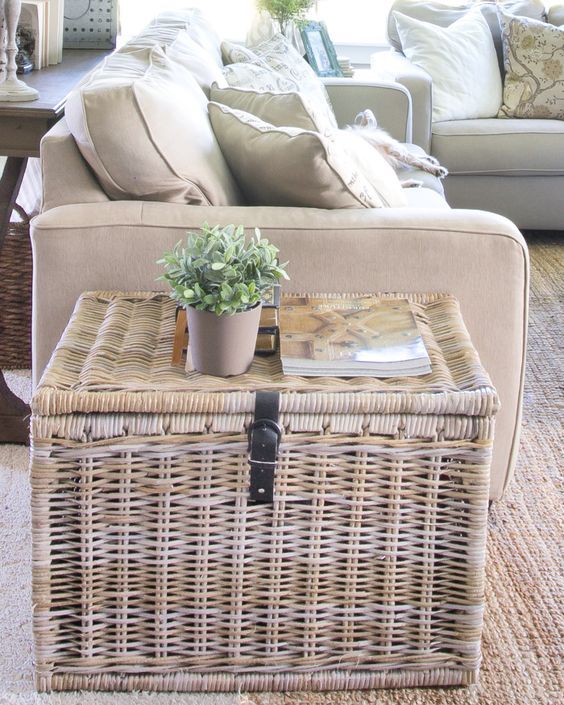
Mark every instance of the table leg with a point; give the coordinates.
(14, 413)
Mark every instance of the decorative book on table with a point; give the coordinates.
(350, 337)
(33, 28)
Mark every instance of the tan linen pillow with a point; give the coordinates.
(257, 77)
(534, 68)
(281, 56)
(149, 137)
(287, 166)
(291, 109)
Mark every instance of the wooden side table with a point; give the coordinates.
(22, 125)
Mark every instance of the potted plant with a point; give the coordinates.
(219, 276)
(285, 11)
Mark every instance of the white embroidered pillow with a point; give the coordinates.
(278, 54)
(462, 62)
(257, 77)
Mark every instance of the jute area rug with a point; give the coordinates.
(524, 629)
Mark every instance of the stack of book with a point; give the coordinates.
(41, 28)
(345, 66)
(366, 336)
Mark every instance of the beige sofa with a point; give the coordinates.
(510, 166)
(82, 240)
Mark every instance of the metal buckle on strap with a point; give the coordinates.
(264, 423)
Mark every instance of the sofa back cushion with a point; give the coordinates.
(145, 132)
(444, 15)
(287, 166)
(197, 26)
(187, 52)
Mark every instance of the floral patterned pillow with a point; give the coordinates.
(533, 54)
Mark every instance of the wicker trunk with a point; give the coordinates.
(152, 570)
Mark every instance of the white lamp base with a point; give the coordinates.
(12, 90)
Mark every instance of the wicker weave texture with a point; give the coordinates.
(152, 569)
(15, 298)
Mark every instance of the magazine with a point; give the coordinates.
(350, 337)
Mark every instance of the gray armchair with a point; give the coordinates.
(514, 167)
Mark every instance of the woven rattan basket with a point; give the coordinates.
(15, 297)
(152, 570)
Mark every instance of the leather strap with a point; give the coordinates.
(264, 439)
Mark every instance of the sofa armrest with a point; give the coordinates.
(115, 245)
(66, 177)
(393, 66)
(390, 102)
(555, 15)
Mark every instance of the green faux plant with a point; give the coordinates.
(284, 11)
(219, 270)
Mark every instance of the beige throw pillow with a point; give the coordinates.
(170, 153)
(534, 68)
(278, 54)
(291, 109)
(287, 166)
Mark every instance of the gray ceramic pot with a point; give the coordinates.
(222, 345)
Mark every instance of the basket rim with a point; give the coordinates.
(61, 394)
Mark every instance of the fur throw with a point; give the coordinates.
(394, 152)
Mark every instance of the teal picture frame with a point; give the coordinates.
(320, 51)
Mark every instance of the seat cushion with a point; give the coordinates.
(498, 146)
(170, 152)
(428, 181)
(425, 198)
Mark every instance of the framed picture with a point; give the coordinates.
(319, 48)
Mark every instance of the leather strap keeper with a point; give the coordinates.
(264, 439)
